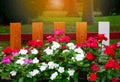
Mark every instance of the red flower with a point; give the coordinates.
(63, 47)
(89, 56)
(109, 50)
(7, 50)
(114, 79)
(111, 64)
(37, 43)
(94, 67)
(113, 46)
(102, 37)
(93, 77)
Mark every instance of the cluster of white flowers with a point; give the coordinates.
(79, 50)
(43, 66)
(61, 69)
(54, 75)
(35, 60)
(48, 51)
(52, 65)
(34, 51)
(71, 46)
(34, 72)
(20, 61)
(13, 73)
(55, 45)
(79, 57)
(71, 72)
(23, 51)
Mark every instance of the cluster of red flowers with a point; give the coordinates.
(37, 43)
(111, 64)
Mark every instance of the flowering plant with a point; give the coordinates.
(59, 59)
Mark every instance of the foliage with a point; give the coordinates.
(61, 60)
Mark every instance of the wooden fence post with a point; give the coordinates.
(81, 32)
(37, 31)
(59, 25)
(15, 36)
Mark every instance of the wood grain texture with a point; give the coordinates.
(15, 36)
(37, 31)
(81, 32)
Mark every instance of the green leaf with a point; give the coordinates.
(21, 79)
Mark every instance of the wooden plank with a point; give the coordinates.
(15, 36)
(37, 31)
(59, 25)
(104, 28)
(81, 32)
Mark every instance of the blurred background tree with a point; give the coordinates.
(20, 10)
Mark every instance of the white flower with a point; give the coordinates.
(71, 46)
(55, 45)
(48, 51)
(13, 73)
(35, 60)
(79, 50)
(43, 63)
(64, 51)
(51, 65)
(71, 72)
(20, 61)
(73, 59)
(34, 51)
(34, 72)
(53, 76)
(43, 68)
(56, 65)
(79, 57)
(23, 51)
(61, 69)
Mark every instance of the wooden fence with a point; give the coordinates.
(37, 33)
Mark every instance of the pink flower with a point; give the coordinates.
(6, 60)
(58, 32)
(50, 39)
(64, 39)
(15, 52)
(27, 61)
(118, 44)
